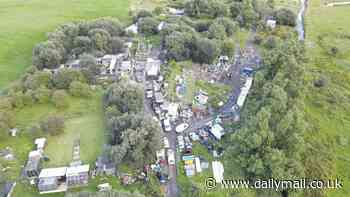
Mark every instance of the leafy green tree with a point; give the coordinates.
(285, 17)
(117, 45)
(218, 9)
(228, 47)
(64, 77)
(126, 96)
(270, 142)
(148, 25)
(109, 24)
(176, 45)
(206, 50)
(217, 31)
(142, 14)
(82, 44)
(136, 137)
(87, 60)
(100, 40)
(236, 9)
(230, 26)
(7, 121)
(38, 79)
(46, 55)
(79, 89)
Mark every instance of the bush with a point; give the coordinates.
(79, 89)
(53, 125)
(7, 121)
(60, 99)
(64, 77)
(42, 95)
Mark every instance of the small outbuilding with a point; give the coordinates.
(40, 143)
(271, 23)
(33, 165)
(77, 175)
(52, 180)
(152, 68)
(217, 131)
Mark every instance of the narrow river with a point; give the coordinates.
(300, 20)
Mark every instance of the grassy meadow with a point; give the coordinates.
(328, 108)
(25, 22)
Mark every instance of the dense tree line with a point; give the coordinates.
(270, 143)
(134, 136)
(105, 194)
(208, 27)
(70, 40)
(41, 87)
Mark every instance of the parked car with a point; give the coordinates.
(180, 142)
(187, 141)
(181, 127)
(149, 94)
(171, 157)
(194, 136)
(166, 142)
(167, 125)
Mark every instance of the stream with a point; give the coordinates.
(300, 20)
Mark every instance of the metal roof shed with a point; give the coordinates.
(53, 172)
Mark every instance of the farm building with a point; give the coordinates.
(158, 97)
(33, 166)
(40, 143)
(52, 180)
(152, 68)
(77, 175)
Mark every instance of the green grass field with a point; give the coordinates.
(328, 108)
(25, 22)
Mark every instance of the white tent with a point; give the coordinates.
(217, 131)
(218, 171)
(244, 92)
(132, 28)
(198, 164)
(40, 143)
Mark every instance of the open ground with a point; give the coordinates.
(25, 23)
(328, 108)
